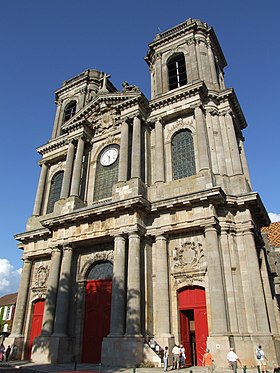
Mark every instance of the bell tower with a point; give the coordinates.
(185, 55)
(188, 91)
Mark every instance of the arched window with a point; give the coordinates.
(106, 172)
(101, 271)
(55, 190)
(177, 74)
(69, 111)
(183, 160)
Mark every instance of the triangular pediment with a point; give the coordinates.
(105, 108)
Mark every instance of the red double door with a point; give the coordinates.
(97, 318)
(36, 324)
(193, 323)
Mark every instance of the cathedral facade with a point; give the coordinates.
(145, 230)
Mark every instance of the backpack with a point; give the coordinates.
(258, 354)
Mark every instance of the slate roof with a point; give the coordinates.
(273, 233)
(8, 299)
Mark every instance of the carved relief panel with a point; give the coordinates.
(187, 260)
(40, 278)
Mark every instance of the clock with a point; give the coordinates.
(109, 156)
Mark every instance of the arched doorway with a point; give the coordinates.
(193, 323)
(36, 323)
(97, 310)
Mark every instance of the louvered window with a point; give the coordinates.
(177, 74)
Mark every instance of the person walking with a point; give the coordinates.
(261, 359)
(207, 360)
(165, 359)
(232, 359)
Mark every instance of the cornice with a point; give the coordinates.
(32, 235)
(91, 212)
(175, 32)
(53, 144)
(214, 195)
(230, 96)
(180, 94)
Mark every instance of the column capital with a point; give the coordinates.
(67, 247)
(120, 236)
(134, 234)
(159, 119)
(55, 249)
(162, 237)
(210, 227)
(27, 260)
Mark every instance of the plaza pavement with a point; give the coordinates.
(93, 368)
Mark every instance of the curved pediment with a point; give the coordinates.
(105, 110)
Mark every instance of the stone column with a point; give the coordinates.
(21, 305)
(57, 125)
(68, 171)
(234, 150)
(203, 158)
(192, 71)
(40, 190)
(199, 63)
(215, 280)
(79, 317)
(159, 152)
(76, 177)
(136, 148)
(212, 63)
(229, 259)
(274, 325)
(50, 303)
(256, 286)
(62, 304)
(244, 162)
(123, 162)
(118, 289)
(162, 316)
(133, 327)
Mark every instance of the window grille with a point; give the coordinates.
(101, 271)
(183, 159)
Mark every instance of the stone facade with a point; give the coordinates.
(160, 189)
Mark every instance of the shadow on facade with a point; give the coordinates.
(62, 337)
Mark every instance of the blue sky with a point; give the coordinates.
(46, 42)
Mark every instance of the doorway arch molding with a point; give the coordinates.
(92, 259)
(183, 281)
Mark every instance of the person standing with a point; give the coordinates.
(232, 359)
(2, 351)
(176, 357)
(165, 359)
(182, 356)
(261, 359)
(207, 360)
(8, 351)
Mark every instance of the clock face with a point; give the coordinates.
(109, 156)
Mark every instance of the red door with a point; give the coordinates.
(36, 325)
(193, 323)
(97, 318)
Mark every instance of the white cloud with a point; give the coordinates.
(274, 217)
(9, 277)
